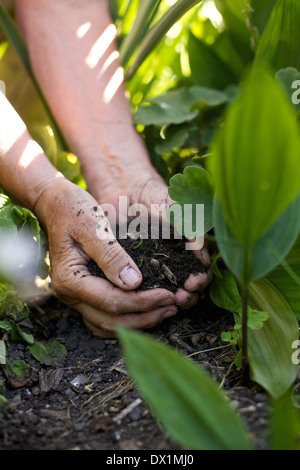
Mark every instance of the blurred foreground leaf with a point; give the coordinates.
(190, 406)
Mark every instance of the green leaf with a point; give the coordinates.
(284, 282)
(280, 237)
(27, 337)
(138, 30)
(289, 80)
(174, 107)
(284, 429)
(158, 31)
(192, 187)
(20, 368)
(186, 400)
(270, 348)
(3, 401)
(279, 44)
(47, 353)
(254, 168)
(225, 294)
(207, 68)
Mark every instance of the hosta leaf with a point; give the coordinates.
(186, 400)
(279, 44)
(284, 282)
(270, 348)
(267, 252)
(207, 68)
(255, 162)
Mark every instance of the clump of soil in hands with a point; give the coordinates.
(164, 263)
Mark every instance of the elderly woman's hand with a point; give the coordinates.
(72, 225)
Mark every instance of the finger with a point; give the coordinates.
(185, 299)
(102, 295)
(97, 239)
(104, 325)
(198, 282)
(204, 257)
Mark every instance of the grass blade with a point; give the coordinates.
(157, 32)
(146, 10)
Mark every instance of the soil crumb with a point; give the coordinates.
(164, 263)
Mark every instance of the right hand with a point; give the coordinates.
(67, 213)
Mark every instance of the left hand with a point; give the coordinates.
(149, 189)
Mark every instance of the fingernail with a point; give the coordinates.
(129, 276)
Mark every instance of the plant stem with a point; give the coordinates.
(245, 364)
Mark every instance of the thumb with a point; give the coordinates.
(99, 242)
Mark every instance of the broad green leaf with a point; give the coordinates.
(176, 106)
(207, 68)
(270, 348)
(284, 282)
(176, 140)
(284, 428)
(255, 162)
(192, 187)
(47, 353)
(278, 240)
(260, 14)
(279, 44)
(225, 294)
(189, 405)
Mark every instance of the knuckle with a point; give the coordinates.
(110, 256)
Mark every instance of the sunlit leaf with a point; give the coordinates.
(267, 252)
(279, 44)
(158, 31)
(270, 348)
(284, 282)
(255, 161)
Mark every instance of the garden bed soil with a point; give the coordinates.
(86, 400)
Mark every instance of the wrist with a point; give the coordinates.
(52, 200)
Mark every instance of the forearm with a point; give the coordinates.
(76, 63)
(24, 169)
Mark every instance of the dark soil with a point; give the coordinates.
(87, 401)
(164, 263)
